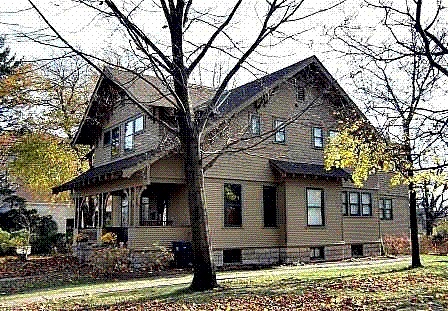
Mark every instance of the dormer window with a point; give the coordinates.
(255, 124)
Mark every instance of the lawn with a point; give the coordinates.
(370, 287)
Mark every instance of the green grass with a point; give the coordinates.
(392, 285)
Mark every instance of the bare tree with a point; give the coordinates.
(398, 88)
(174, 61)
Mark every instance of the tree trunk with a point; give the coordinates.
(413, 223)
(204, 270)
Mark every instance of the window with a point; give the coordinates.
(131, 129)
(386, 209)
(318, 137)
(106, 138)
(344, 199)
(315, 208)
(270, 206)
(366, 204)
(124, 210)
(354, 204)
(231, 255)
(300, 93)
(115, 142)
(357, 250)
(154, 209)
(332, 134)
(255, 124)
(232, 205)
(317, 253)
(280, 136)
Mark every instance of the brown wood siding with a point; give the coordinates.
(252, 233)
(142, 238)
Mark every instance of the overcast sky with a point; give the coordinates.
(83, 28)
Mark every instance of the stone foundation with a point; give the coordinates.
(296, 255)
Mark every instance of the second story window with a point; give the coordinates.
(132, 128)
(255, 124)
(106, 138)
(386, 209)
(332, 134)
(300, 93)
(280, 135)
(318, 137)
(232, 205)
(115, 142)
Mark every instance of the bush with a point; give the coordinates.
(109, 261)
(5, 237)
(396, 245)
(441, 231)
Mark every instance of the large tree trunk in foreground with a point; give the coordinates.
(414, 228)
(204, 270)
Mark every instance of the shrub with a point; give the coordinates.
(441, 231)
(159, 258)
(5, 237)
(109, 238)
(109, 261)
(396, 245)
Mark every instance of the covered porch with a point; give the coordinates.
(140, 216)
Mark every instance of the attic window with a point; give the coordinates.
(300, 93)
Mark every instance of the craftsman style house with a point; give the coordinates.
(271, 203)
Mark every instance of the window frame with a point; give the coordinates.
(238, 206)
(358, 204)
(383, 209)
(322, 207)
(362, 204)
(345, 205)
(321, 138)
(321, 253)
(115, 142)
(108, 135)
(279, 129)
(133, 133)
(254, 116)
(270, 219)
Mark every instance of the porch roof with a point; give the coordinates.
(305, 169)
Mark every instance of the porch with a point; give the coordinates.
(140, 215)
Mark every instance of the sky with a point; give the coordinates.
(101, 37)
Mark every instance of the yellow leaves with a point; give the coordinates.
(43, 161)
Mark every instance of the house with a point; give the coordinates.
(268, 204)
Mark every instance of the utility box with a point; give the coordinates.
(183, 254)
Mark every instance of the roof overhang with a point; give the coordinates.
(295, 169)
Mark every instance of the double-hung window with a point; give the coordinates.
(354, 204)
(115, 142)
(366, 204)
(386, 209)
(280, 135)
(132, 128)
(315, 207)
(255, 124)
(318, 137)
(232, 205)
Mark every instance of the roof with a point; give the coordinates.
(243, 93)
(147, 89)
(103, 171)
(306, 169)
